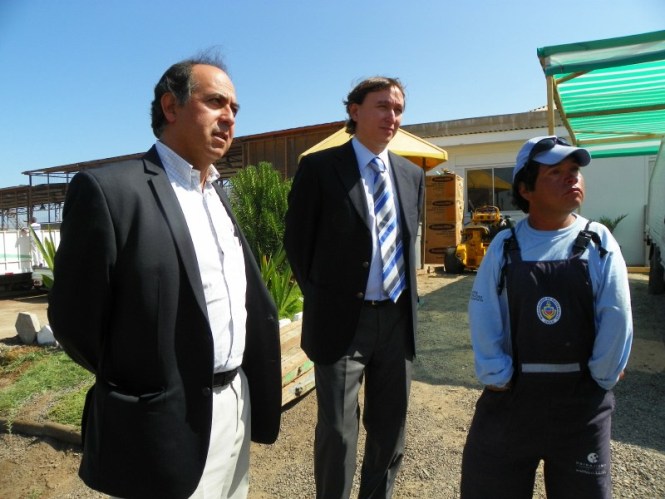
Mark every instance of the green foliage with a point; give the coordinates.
(283, 288)
(259, 200)
(35, 492)
(611, 223)
(47, 250)
(259, 197)
(10, 362)
(43, 370)
(69, 407)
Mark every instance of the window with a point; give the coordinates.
(490, 186)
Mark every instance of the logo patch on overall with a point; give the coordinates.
(548, 310)
(592, 466)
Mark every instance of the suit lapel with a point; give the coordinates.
(347, 168)
(168, 202)
(406, 195)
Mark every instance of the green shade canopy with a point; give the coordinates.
(610, 93)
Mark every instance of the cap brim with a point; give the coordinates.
(560, 152)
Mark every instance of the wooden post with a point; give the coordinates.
(550, 105)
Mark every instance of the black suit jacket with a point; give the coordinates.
(329, 244)
(128, 305)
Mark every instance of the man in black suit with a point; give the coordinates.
(350, 237)
(158, 295)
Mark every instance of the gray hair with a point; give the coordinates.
(178, 81)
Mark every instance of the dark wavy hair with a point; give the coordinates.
(178, 81)
(358, 94)
(527, 176)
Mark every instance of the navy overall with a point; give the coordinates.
(555, 411)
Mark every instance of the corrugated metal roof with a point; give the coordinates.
(610, 93)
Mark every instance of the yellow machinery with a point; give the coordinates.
(486, 222)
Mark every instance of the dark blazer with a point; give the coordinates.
(128, 305)
(329, 244)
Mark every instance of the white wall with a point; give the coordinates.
(15, 254)
(615, 186)
(16, 249)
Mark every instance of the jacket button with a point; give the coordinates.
(365, 265)
(360, 295)
(206, 391)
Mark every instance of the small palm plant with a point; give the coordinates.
(259, 201)
(279, 280)
(611, 223)
(47, 250)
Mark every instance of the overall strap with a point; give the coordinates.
(584, 238)
(512, 248)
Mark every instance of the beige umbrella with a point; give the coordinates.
(411, 147)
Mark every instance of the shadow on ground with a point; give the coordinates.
(639, 418)
(445, 357)
(444, 349)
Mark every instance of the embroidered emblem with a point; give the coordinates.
(592, 466)
(548, 310)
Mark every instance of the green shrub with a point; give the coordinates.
(259, 201)
(277, 275)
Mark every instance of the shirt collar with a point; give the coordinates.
(180, 171)
(364, 155)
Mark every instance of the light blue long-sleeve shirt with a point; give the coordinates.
(489, 317)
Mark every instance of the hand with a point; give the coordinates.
(504, 388)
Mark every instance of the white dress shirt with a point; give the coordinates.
(218, 253)
(374, 290)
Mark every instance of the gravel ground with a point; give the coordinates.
(443, 395)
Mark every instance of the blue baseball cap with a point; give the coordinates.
(548, 150)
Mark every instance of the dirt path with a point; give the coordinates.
(443, 396)
(10, 307)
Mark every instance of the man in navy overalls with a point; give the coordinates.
(551, 329)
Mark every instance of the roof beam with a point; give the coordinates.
(621, 140)
(608, 112)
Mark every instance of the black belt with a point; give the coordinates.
(377, 303)
(224, 378)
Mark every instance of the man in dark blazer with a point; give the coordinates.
(151, 296)
(355, 324)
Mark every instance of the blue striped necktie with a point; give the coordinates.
(390, 242)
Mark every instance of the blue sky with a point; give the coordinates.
(77, 75)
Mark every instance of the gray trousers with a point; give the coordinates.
(381, 354)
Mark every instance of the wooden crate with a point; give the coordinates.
(444, 210)
(439, 237)
(444, 216)
(297, 369)
(446, 186)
